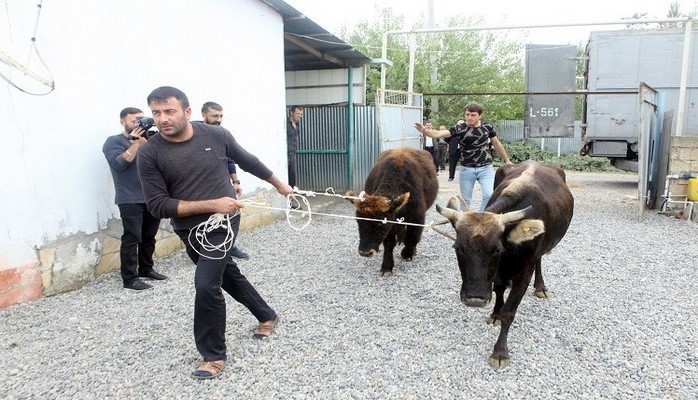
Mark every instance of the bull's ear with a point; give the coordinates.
(400, 201)
(525, 230)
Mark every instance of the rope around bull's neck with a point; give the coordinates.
(303, 194)
(218, 220)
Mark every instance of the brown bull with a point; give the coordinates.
(402, 185)
(526, 217)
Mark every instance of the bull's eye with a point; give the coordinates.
(497, 251)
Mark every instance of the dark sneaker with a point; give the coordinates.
(265, 329)
(137, 285)
(154, 275)
(237, 253)
(450, 179)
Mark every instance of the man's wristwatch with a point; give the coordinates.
(236, 182)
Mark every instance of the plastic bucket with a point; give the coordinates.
(692, 189)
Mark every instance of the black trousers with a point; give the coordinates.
(443, 156)
(434, 156)
(216, 271)
(452, 164)
(292, 164)
(137, 240)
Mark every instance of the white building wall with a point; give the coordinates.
(104, 56)
(326, 86)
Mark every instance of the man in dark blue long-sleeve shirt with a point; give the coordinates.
(139, 226)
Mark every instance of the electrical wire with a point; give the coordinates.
(50, 83)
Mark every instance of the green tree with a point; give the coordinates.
(465, 62)
(367, 37)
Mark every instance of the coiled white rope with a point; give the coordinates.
(213, 222)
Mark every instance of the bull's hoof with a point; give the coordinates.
(541, 293)
(407, 254)
(499, 362)
(386, 272)
(491, 320)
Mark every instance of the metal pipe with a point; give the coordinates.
(351, 129)
(681, 112)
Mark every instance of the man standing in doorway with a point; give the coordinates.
(212, 114)
(292, 140)
(139, 226)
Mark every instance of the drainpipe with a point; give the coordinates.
(681, 114)
(351, 127)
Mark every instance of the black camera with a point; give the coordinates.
(146, 123)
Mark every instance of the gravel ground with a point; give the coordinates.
(620, 322)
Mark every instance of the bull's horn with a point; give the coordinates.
(452, 203)
(449, 213)
(466, 206)
(514, 216)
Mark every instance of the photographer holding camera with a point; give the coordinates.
(139, 226)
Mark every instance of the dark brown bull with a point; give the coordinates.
(401, 186)
(526, 217)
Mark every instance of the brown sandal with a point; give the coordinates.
(265, 329)
(208, 369)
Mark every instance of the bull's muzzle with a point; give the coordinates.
(367, 253)
(475, 301)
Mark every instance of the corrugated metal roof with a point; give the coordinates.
(308, 46)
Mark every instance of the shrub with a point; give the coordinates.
(523, 150)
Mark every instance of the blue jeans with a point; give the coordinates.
(212, 275)
(467, 178)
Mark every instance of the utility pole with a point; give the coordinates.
(432, 57)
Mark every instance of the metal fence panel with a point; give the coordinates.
(367, 144)
(396, 124)
(513, 130)
(550, 68)
(324, 148)
(329, 156)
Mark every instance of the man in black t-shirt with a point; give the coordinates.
(476, 140)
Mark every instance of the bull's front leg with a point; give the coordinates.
(499, 286)
(500, 355)
(498, 303)
(388, 260)
(413, 235)
(539, 289)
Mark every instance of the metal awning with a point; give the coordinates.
(308, 46)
